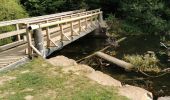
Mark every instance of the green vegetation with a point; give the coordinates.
(43, 7)
(9, 10)
(147, 63)
(43, 81)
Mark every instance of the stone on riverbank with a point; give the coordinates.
(104, 79)
(62, 61)
(135, 93)
(78, 69)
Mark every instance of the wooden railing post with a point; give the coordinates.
(48, 35)
(29, 40)
(91, 20)
(71, 28)
(96, 21)
(86, 22)
(62, 34)
(79, 24)
(18, 36)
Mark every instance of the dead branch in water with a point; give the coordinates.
(118, 41)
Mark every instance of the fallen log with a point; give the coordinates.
(118, 41)
(114, 60)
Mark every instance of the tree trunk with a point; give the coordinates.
(114, 60)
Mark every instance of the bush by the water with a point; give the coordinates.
(145, 62)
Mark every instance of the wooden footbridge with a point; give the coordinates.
(44, 34)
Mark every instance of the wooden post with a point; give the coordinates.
(61, 29)
(48, 35)
(79, 24)
(71, 25)
(29, 40)
(91, 20)
(86, 22)
(71, 28)
(18, 36)
(96, 19)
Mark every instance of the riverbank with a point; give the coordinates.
(70, 66)
(39, 80)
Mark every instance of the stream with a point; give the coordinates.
(132, 45)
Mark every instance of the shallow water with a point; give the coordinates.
(132, 45)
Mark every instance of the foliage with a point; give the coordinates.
(115, 25)
(147, 15)
(42, 7)
(143, 62)
(74, 5)
(9, 10)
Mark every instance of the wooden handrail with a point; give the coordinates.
(26, 20)
(32, 27)
(63, 16)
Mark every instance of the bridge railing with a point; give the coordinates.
(73, 22)
(18, 30)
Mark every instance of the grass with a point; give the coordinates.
(42, 81)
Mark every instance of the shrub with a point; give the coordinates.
(9, 10)
(143, 62)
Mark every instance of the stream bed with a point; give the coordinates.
(132, 45)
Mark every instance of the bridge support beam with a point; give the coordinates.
(39, 41)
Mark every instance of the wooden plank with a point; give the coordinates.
(11, 56)
(11, 45)
(13, 33)
(35, 49)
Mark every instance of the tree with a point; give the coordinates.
(9, 10)
(42, 7)
(147, 15)
(74, 5)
